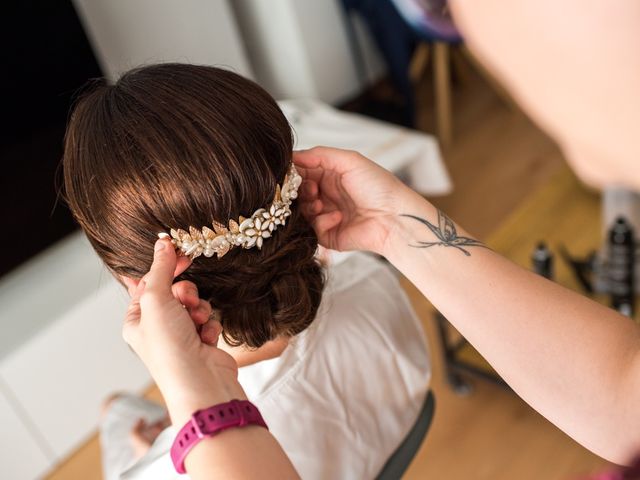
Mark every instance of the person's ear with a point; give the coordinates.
(130, 283)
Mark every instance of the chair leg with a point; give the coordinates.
(460, 68)
(419, 62)
(442, 93)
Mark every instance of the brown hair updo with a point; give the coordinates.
(175, 145)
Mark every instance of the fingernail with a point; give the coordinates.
(159, 246)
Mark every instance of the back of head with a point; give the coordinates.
(173, 146)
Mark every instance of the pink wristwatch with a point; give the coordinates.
(210, 421)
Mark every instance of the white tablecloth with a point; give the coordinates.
(413, 156)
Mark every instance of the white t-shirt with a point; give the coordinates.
(347, 390)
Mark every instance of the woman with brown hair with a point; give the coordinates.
(188, 152)
(574, 66)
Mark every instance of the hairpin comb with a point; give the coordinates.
(246, 232)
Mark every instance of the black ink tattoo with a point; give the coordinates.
(446, 233)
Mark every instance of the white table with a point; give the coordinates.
(412, 155)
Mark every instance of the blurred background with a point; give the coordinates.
(390, 78)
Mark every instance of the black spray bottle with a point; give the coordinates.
(621, 267)
(542, 261)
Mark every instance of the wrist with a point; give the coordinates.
(196, 391)
(399, 231)
(181, 408)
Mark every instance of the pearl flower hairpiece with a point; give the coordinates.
(246, 232)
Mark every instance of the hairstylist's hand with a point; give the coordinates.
(352, 203)
(191, 374)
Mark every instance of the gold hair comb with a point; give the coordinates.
(246, 232)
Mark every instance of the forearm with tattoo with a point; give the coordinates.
(446, 234)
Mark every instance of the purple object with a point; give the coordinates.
(431, 18)
(210, 421)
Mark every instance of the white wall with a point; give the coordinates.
(301, 48)
(129, 33)
(272, 39)
(296, 48)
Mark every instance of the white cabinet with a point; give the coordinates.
(21, 457)
(61, 354)
(61, 376)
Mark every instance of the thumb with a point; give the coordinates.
(327, 221)
(160, 277)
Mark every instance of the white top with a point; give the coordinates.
(347, 390)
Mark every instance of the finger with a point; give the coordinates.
(210, 332)
(310, 174)
(316, 207)
(182, 264)
(326, 222)
(309, 190)
(327, 158)
(311, 210)
(201, 313)
(129, 283)
(132, 317)
(187, 293)
(160, 276)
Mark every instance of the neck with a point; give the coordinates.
(244, 356)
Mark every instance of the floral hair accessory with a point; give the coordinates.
(246, 232)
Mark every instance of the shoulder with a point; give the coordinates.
(351, 270)
(364, 289)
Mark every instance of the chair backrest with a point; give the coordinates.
(401, 458)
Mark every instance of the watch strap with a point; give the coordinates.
(210, 421)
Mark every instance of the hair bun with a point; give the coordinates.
(264, 294)
(179, 145)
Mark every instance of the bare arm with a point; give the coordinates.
(574, 360)
(250, 453)
(192, 373)
(239, 453)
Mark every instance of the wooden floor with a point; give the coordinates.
(494, 434)
(497, 160)
(491, 434)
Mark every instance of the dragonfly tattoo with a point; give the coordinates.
(446, 234)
